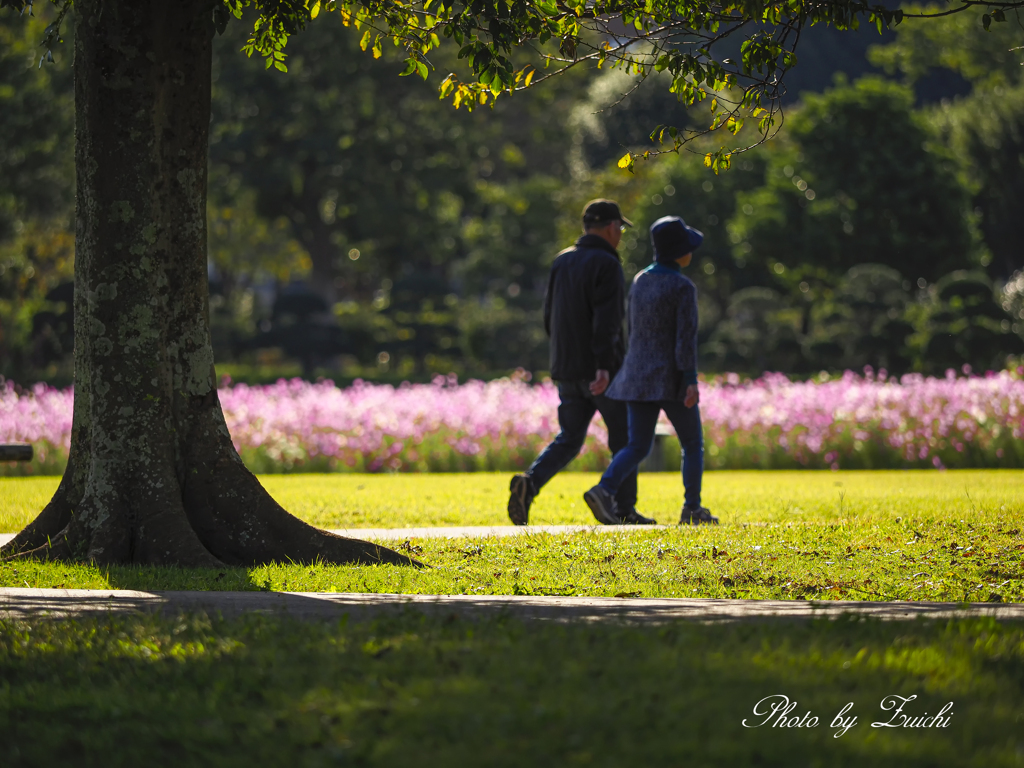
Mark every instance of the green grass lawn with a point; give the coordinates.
(401, 500)
(130, 691)
(952, 536)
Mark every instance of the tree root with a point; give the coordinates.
(46, 527)
(241, 524)
(45, 534)
(221, 515)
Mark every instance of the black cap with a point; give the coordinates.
(602, 211)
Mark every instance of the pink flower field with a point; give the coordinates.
(845, 422)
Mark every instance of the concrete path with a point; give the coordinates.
(465, 531)
(28, 603)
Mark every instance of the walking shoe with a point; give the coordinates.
(632, 517)
(696, 516)
(603, 505)
(520, 498)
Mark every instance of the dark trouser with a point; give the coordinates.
(643, 418)
(574, 414)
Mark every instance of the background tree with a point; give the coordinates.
(374, 174)
(858, 178)
(984, 127)
(967, 326)
(325, 146)
(412, 212)
(36, 195)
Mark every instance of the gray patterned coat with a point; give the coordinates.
(662, 356)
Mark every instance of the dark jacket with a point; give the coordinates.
(583, 310)
(662, 357)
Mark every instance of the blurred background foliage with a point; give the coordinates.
(360, 227)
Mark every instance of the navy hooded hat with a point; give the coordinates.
(672, 238)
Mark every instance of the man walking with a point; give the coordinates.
(583, 311)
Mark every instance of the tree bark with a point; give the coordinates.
(152, 475)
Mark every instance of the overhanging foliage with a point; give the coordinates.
(683, 37)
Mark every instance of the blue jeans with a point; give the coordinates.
(575, 411)
(643, 418)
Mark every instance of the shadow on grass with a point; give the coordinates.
(150, 578)
(129, 690)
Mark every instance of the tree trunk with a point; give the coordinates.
(152, 475)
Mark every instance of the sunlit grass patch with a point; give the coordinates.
(22, 498)
(395, 501)
(415, 500)
(922, 559)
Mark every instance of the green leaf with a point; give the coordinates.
(447, 86)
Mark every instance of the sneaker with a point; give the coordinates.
(520, 498)
(697, 516)
(603, 505)
(632, 517)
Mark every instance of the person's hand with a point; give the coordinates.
(692, 396)
(600, 383)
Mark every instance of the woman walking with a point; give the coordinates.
(660, 372)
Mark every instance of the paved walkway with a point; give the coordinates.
(465, 531)
(26, 603)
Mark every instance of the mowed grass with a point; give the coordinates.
(415, 500)
(408, 690)
(952, 536)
